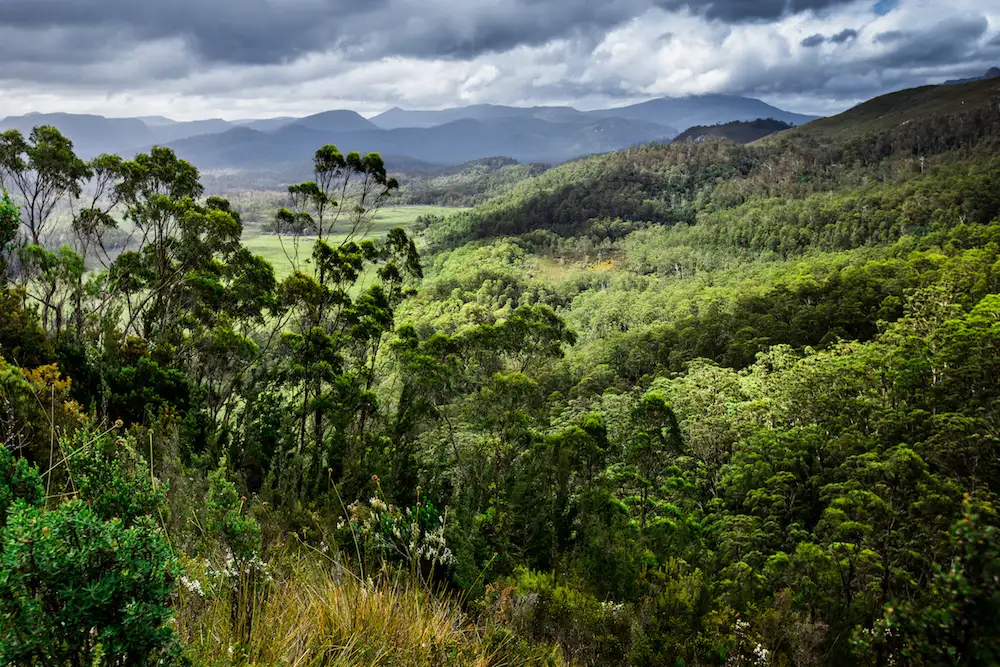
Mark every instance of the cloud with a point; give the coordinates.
(253, 58)
(889, 36)
(845, 35)
(273, 31)
(952, 40)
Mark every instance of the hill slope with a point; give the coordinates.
(467, 184)
(895, 109)
(741, 132)
(670, 184)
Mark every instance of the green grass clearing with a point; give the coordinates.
(274, 248)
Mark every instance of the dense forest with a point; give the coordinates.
(699, 403)
(741, 132)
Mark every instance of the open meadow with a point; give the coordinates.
(274, 248)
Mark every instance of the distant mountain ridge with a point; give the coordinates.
(90, 134)
(549, 134)
(685, 112)
(991, 73)
(397, 118)
(526, 140)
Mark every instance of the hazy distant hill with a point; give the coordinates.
(991, 73)
(336, 121)
(396, 118)
(175, 131)
(267, 124)
(685, 112)
(155, 121)
(679, 113)
(91, 135)
(740, 131)
(526, 140)
(442, 137)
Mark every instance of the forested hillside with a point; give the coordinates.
(740, 132)
(467, 184)
(691, 404)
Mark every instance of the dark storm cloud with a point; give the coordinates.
(750, 10)
(950, 41)
(844, 35)
(259, 54)
(841, 37)
(952, 48)
(274, 31)
(235, 31)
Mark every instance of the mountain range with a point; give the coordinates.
(443, 137)
(991, 73)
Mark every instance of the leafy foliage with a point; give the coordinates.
(81, 585)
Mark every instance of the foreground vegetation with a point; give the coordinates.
(691, 404)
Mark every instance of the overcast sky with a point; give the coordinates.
(191, 59)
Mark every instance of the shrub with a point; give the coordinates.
(10, 221)
(77, 587)
(589, 631)
(19, 481)
(385, 534)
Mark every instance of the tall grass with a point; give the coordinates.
(319, 613)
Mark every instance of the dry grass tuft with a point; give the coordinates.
(320, 614)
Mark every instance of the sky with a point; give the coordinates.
(191, 59)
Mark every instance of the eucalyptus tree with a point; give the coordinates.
(185, 285)
(43, 171)
(342, 297)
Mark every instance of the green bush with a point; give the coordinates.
(76, 587)
(589, 631)
(10, 221)
(19, 481)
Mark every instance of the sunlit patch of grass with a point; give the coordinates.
(277, 250)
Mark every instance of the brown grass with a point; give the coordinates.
(320, 614)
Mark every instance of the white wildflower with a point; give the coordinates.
(193, 586)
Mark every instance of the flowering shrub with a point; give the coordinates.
(747, 650)
(384, 533)
(240, 572)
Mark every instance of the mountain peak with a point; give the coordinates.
(337, 120)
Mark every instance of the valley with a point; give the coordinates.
(551, 388)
